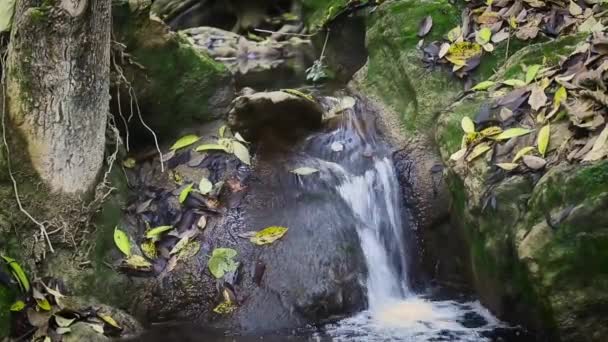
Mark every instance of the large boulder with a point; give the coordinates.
(154, 58)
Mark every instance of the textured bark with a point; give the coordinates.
(58, 80)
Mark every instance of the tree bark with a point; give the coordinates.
(58, 87)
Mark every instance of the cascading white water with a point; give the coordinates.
(367, 181)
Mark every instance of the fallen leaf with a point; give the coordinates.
(185, 141)
(425, 26)
(507, 166)
(454, 34)
(514, 83)
(240, 138)
(138, 262)
(63, 331)
(490, 131)
(460, 52)
(122, 241)
(561, 95)
(205, 186)
(180, 245)
(304, 171)
(98, 328)
(41, 300)
(600, 147)
(483, 85)
(63, 322)
(591, 25)
(537, 98)
(18, 273)
(522, 152)
(467, 125)
(225, 308)
(222, 261)
(575, 9)
(129, 163)
(512, 133)
(478, 151)
(109, 320)
(202, 222)
(543, 139)
(213, 147)
(500, 36)
(148, 247)
(189, 250)
(443, 50)
(531, 72)
(17, 306)
(534, 163)
(185, 192)
(241, 152)
(488, 17)
(483, 36)
(268, 235)
(458, 154)
(527, 32)
(156, 232)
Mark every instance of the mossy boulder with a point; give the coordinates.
(176, 85)
(537, 242)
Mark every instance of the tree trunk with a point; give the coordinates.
(58, 87)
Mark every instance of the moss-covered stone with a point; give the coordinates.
(316, 12)
(175, 84)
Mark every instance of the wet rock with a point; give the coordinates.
(153, 58)
(278, 111)
(81, 331)
(255, 63)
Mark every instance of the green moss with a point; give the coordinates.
(7, 297)
(316, 12)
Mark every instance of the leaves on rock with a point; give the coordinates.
(222, 261)
(512, 133)
(122, 241)
(425, 26)
(543, 139)
(18, 273)
(531, 72)
(461, 52)
(137, 262)
(210, 147)
(522, 152)
(268, 235)
(478, 151)
(185, 141)
(467, 125)
(156, 232)
(241, 152)
(485, 85)
(205, 186)
(185, 192)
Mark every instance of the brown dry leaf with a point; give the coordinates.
(478, 151)
(500, 36)
(527, 32)
(600, 147)
(488, 17)
(534, 163)
(575, 9)
(537, 98)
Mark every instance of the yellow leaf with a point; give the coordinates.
(513, 22)
(138, 262)
(268, 235)
(185, 141)
(490, 131)
(512, 133)
(299, 94)
(514, 83)
(507, 166)
(522, 152)
(560, 96)
(148, 247)
(225, 308)
(109, 320)
(478, 151)
(467, 125)
(483, 36)
(531, 72)
(43, 304)
(460, 52)
(154, 233)
(122, 241)
(241, 152)
(18, 306)
(184, 194)
(454, 34)
(458, 154)
(18, 272)
(543, 139)
(483, 85)
(207, 147)
(222, 131)
(129, 163)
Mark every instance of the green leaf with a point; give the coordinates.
(225, 308)
(129, 163)
(304, 171)
(454, 34)
(507, 166)
(137, 262)
(155, 233)
(189, 250)
(207, 147)
(184, 194)
(43, 304)
(148, 247)
(485, 85)
(268, 235)
(514, 83)
(467, 125)
(18, 273)
(543, 139)
(560, 96)
(222, 261)
(531, 72)
(7, 10)
(18, 306)
(205, 186)
(222, 131)
(512, 133)
(184, 141)
(478, 151)
(522, 152)
(241, 152)
(483, 36)
(122, 241)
